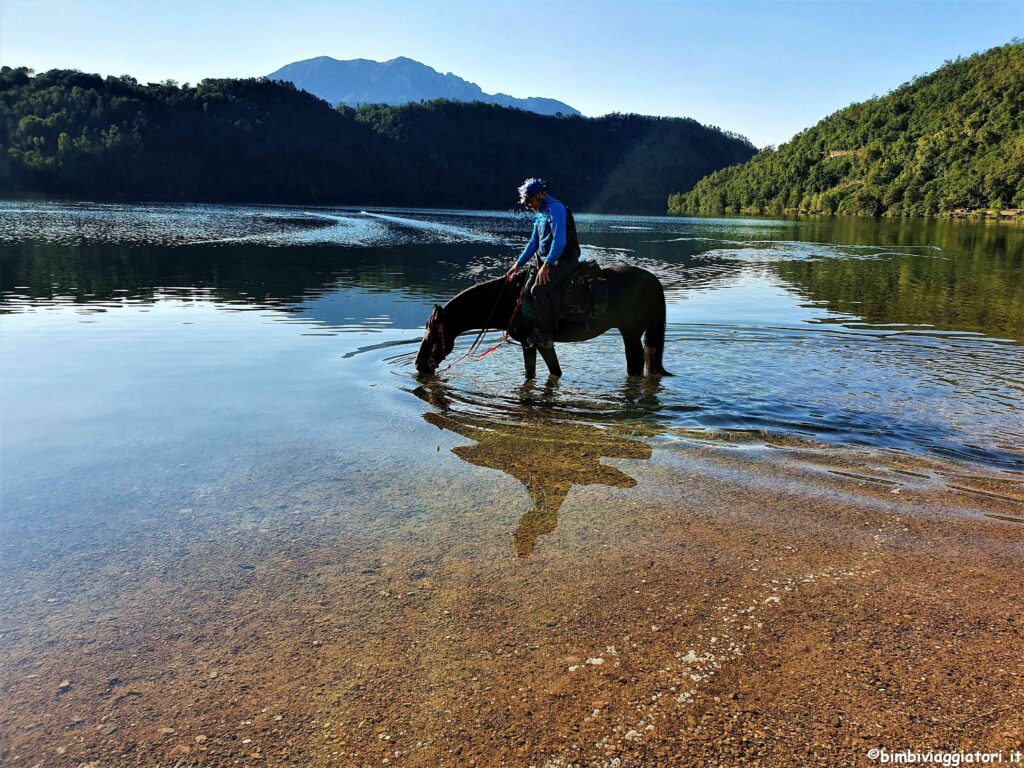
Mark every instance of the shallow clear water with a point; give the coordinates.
(227, 500)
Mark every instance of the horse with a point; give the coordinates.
(635, 307)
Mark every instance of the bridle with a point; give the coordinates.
(479, 337)
(440, 330)
(439, 327)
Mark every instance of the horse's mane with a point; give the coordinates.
(515, 284)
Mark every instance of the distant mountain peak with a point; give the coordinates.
(397, 81)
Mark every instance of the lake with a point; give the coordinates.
(236, 526)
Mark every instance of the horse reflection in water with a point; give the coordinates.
(546, 449)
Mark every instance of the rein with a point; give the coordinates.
(483, 331)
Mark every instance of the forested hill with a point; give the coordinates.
(951, 140)
(67, 133)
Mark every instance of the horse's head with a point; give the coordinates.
(437, 343)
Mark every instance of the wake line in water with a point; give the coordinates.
(703, 239)
(309, 227)
(446, 229)
(333, 217)
(383, 345)
(785, 250)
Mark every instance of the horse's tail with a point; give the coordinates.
(654, 339)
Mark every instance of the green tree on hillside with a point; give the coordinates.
(947, 141)
(68, 133)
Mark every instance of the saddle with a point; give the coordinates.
(580, 297)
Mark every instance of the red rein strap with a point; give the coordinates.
(504, 334)
(485, 354)
(514, 313)
(476, 342)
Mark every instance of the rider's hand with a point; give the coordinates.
(511, 271)
(543, 274)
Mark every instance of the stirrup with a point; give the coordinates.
(540, 340)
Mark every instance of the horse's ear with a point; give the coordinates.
(436, 314)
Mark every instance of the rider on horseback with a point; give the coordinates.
(557, 251)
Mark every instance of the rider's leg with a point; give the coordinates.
(545, 312)
(544, 299)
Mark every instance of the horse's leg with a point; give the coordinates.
(530, 360)
(654, 337)
(634, 353)
(551, 360)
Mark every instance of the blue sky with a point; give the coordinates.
(764, 69)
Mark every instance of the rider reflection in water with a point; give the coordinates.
(557, 251)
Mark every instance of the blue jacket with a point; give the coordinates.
(549, 233)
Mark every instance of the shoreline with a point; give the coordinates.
(1008, 216)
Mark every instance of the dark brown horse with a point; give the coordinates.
(636, 307)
